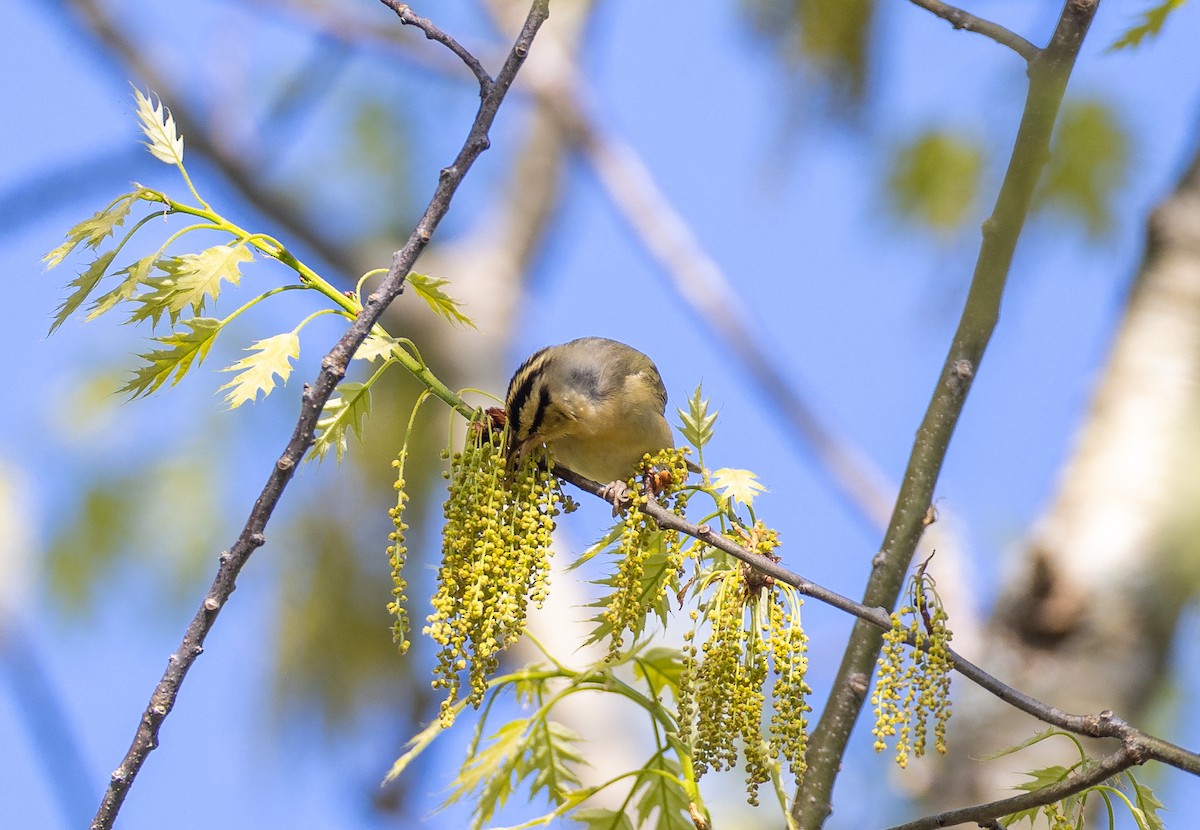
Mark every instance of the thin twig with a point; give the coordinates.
(1048, 75)
(410, 18)
(333, 367)
(960, 19)
(1104, 769)
(1102, 725)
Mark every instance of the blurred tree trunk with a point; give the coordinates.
(1086, 617)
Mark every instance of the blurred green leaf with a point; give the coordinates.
(831, 37)
(935, 181)
(1151, 24)
(1089, 162)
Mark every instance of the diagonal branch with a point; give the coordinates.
(1104, 769)
(1048, 75)
(410, 18)
(333, 367)
(1102, 725)
(960, 19)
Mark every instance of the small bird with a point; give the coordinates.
(596, 403)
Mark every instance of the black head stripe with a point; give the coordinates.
(543, 403)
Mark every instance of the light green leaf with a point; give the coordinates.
(257, 371)
(660, 667)
(184, 349)
(1148, 803)
(664, 794)
(91, 232)
(936, 179)
(739, 485)
(1089, 164)
(345, 410)
(697, 424)
(601, 818)
(552, 760)
(375, 347)
(1043, 777)
(656, 570)
(493, 771)
(190, 281)
(1152, 23)
(84, 285)
(164, 143)
(430, 290)
(416, 745)
(135, 274)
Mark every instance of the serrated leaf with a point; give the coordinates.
(697, 424)
(375, 347)
(656, 569)
(158, 125)
(84, 285)
(257, 371)
(739, 485)
(430, 290)
(91, 232)
(1148, 803)
(345, 410)
(552, 760)
(664, 794)
(1153, 20)
(184, 350)
(415, 746)
(1043, 777)
(661, 668)
(190, 281)
(136, 274)
(493, 771)
(1028, 742)
(602, 818)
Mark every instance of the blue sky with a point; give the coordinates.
(860, 308)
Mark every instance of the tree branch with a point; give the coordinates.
(409, 18)
(1048, 75)
(1102, 725)
(1104, 769)
(333, 367)
(960, 19)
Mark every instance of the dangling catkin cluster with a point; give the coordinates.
(495, 560)
(913, 685)
(754, 627)
(638, 593)
(397, 554)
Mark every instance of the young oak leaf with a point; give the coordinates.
(345, 410)
(165, 143)
(374, 348)
(1152, 23)
(430, 290)
(136, 273)
(84, 284)
(696, 423)
(257, 372)
(739, 485)
(184, 349)
(190, 281)
(91, 232)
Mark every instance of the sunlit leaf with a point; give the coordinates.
(91, 232)
(415, 746)
(660, 667)
(656, 571)
(1151, 24)
(1089, 162)
(1148, 803)
(345, 411)
(136, 274)
(662, 795)
(185, 348)
(375, 347)
(256, 372)
(601, 818)
(84, 285)
(164, 143)
(430, 290)
(739, 485)
(935, 180)
(190, 281)
(696, 423)
(1043, 777)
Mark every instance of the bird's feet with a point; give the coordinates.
(617, 494)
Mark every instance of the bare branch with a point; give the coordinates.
(1106, 768)
(960, 19)
(409, 18)
(333, 368)
(1102, 725)
(1048, 75)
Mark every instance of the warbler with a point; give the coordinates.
(598, 405)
